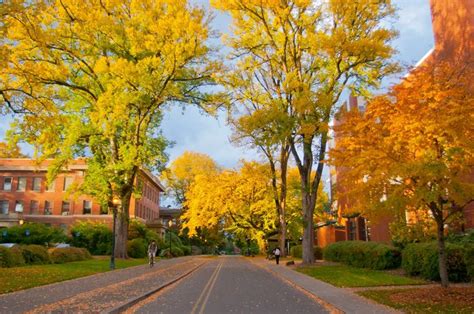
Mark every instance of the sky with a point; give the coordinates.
(193, 131)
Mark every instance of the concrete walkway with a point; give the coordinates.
(339, 298)
(49, 298)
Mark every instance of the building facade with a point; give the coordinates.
(25, 195)
(453, 29)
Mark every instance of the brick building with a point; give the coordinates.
(453, 29)
(25, 196)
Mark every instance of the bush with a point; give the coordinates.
(318, 252)
(469, 260)
(196, 250)
(95, 237)
(33, 233)
(296, 251)
(35, 254)
(176, 252)
(186, 250)
(70, 254)
(11, 257)
(422, 259)
(137, 248)
(363, 254)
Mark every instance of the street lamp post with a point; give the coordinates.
(170, 224)
(116, 203)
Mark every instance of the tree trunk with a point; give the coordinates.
(282, 232)
(442, 255)
(308, 229)
(121, 231)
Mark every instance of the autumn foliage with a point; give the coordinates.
(413, 149)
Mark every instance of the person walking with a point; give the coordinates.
(277, 253)
(152, 249)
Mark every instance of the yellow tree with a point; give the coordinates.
(240, 202)
(179, 176)
(91, 78)
(413, 149)
(291, 61)
(10, 151)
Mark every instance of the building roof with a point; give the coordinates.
(168, 211)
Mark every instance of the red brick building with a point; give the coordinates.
(453, 28)
(25, 196)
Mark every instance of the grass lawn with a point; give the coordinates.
(19, 278)
(346, 276)
(426, 300)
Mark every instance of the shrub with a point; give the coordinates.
(196, 250)
(137, 248)
(176, 252)
(33, 233)
(35, 254)
(318, 253)
(70, 254)
(469, 260)
(96, 237)
(296, 251)
(186, 250)
(422, 259)
(363, 254)
(11, 257)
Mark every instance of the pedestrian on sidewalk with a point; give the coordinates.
(152, 249)
(277, 253)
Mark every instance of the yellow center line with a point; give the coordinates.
(211, 279)
(210, 289)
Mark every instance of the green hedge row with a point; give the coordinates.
(297, 252)
(363, 254)
(422, 259)
(37, 254)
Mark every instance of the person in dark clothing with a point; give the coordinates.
(277, 254)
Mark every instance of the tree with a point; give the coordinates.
(7, 151)
(183, 170)
(294, 59)
(413, 149)
(90, 78)
(239, 202)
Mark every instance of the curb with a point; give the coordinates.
(132, 301)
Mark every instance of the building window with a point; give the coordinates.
(37, 184)
(4, 207)
(19, 206)
(21, 186)
(87, 206)
(50, 187)
(65, 208)
(34, 205)
(7, 183)
(48, 208)
(67, 183)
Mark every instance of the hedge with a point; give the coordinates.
(469, 260)
(363, 254)
(69, 254)
(12, 257)
(137, 248)
(422, 259)
(95, 237)
(297, 251)
(35, 254)
(175, 250)
(33, 233)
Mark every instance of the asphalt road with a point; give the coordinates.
(230, 285)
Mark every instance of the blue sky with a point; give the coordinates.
(191, 130)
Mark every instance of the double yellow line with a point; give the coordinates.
(206, 292)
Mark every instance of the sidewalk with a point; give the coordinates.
(84, 294)
(342, 299)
